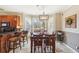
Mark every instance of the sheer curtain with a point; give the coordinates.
(27, 22)
(51, 24)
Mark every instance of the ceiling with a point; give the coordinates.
(35, 9)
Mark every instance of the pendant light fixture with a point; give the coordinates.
(43, 16)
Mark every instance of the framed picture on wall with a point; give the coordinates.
(71, 21)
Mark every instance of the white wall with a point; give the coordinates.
(71, 11)
(71, 34)
(58, 21)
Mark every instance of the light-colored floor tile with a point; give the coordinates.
(60, 48)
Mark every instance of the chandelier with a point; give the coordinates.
(43, 16)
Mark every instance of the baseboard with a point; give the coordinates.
(74, 51)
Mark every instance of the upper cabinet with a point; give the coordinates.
(13, 19)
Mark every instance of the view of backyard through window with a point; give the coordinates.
(37, 24)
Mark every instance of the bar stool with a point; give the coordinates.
(22, 37)
(14, 41)
(4, 43)
(25, 34)
(0, 42)
(18, 35)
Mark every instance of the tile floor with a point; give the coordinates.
(60, 48)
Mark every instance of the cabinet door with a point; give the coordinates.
(10, 19)
(13, 19)
(4, 18)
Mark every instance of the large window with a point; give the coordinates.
(27, 23)
(35, 23)
(38, 24)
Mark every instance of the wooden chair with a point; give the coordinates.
(18, 35)
(50, 41)
(26, 33)
(13, 43)
(37, 41)
(23, 36)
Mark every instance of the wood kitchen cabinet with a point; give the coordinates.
(13, 20)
